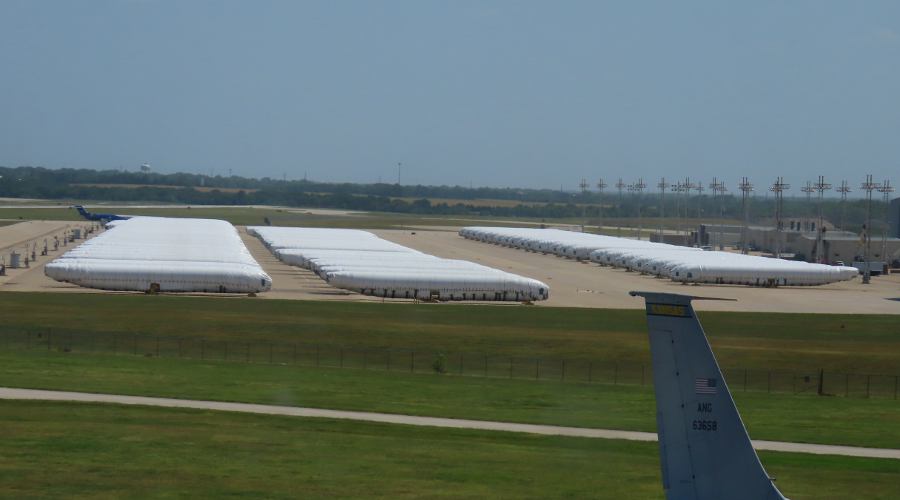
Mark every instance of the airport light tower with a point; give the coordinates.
(662, 185)
(843, 189)
(779, 187)
(868, 187)
(718, 189)
(698, 186)
(885, 189)
(600, 186)
(620, 186)
(746, 188)
(808, 189)
(821, 186)
(584, 188)
(639, 187)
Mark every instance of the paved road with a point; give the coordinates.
(294, 411)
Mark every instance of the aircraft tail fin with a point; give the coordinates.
(84, 213)
(705, 451)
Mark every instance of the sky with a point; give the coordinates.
(482, 93)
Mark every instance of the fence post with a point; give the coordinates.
(270, 354)
(317, 355)
(896, 378)
(226, 350)
(643, 367)
(461, 363)
(821, 388)
(294, 355)
(179, 348)
(615, 373)
(389, 360)
(203, 349)
(341, 362)
(563, 375)
(590, 371)
(769, 381)
(365, 359)
(745, 380)
(115, 343)
(537, 369)
(247, 352)
(412, 361)
(49, 339)
(157, 346)
(134, 339)
(485, 365)
(510, 367)
(868, 384)
(846, 385)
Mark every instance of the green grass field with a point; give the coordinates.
(58, 449)
(255, 216)
(53, 450)
(780, 417)
(801, 342)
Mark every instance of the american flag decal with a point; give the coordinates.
(705, 385)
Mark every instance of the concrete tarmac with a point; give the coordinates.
(453, 423)
(585, 284)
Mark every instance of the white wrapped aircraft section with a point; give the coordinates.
(360, 261)
(178, 255)
(690, 265)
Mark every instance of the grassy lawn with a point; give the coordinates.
(53, 450)
(779, 417)
(861, 344)
(277, 216)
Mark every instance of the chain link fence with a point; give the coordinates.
(473, 364)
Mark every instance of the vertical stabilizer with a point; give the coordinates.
(704, 449)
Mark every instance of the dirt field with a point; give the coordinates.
(572, 284)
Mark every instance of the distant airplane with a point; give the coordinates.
(704, 450)
(100, 217)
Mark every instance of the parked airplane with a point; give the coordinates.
(100, 217)
(704, 450)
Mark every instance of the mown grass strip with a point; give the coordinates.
(83, 450)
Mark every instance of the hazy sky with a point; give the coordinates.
(533, 94)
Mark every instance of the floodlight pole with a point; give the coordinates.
(868, 187)
(620, 186)
(639, 189)
(778, 187)
(718, 188)
(821, 186)
(808, 189)
(843, 189)
(600, 186)
(584, 186)
(885, 189)
(662, 207)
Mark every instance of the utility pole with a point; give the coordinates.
(584, 187)
(779, 187)
(600, 186)
(885, 189)
(868, 187)
(399, 167)
(821, 186)
(746, 188)
(843, 189)
(663, 185)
